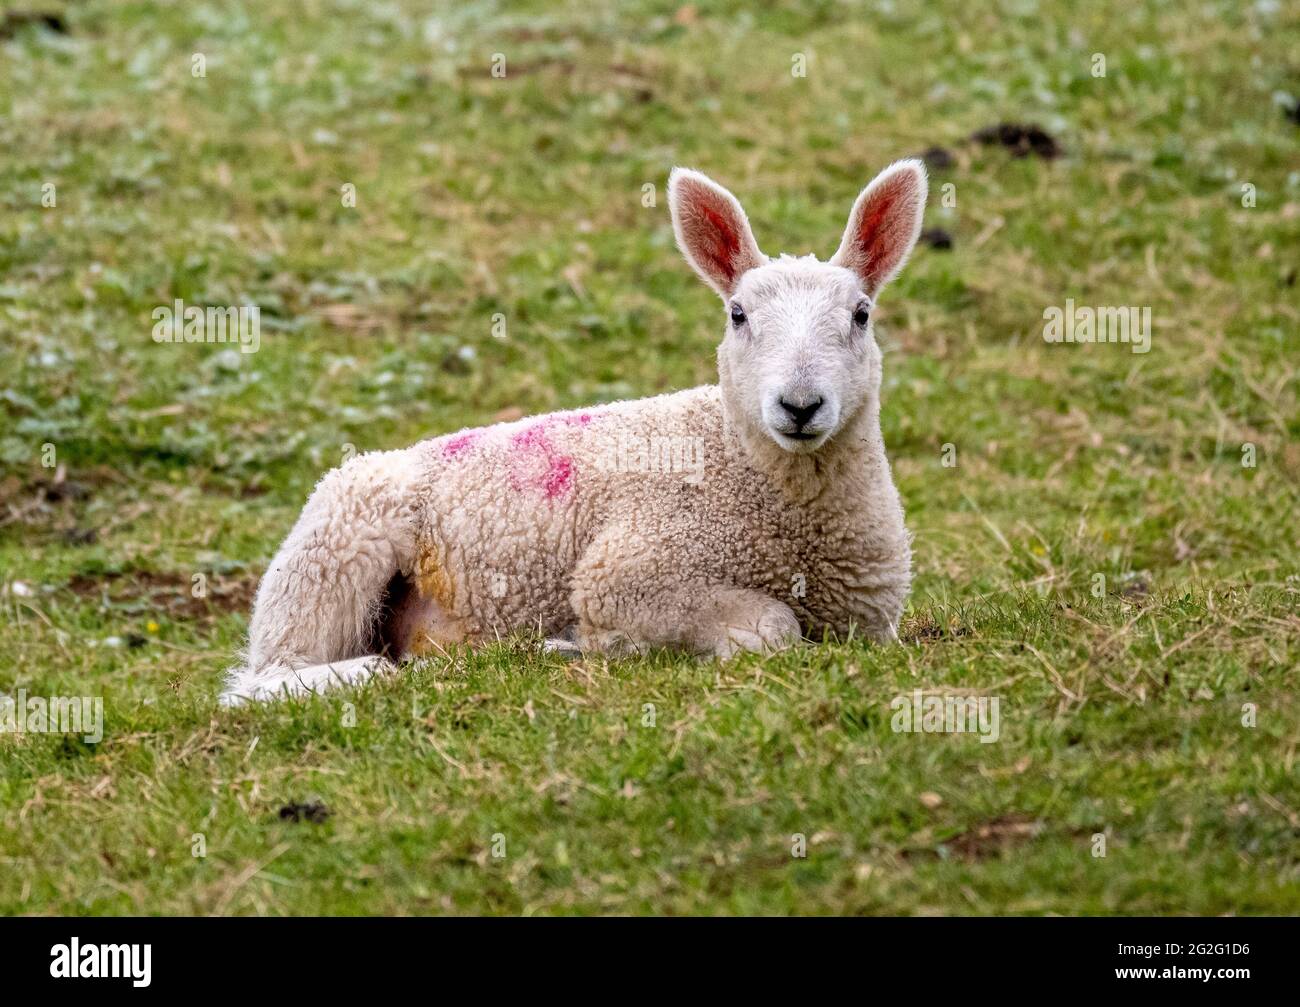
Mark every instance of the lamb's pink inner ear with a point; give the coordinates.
(718, 241)
(713, 232)
(884, 226)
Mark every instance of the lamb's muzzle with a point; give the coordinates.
(726, 518)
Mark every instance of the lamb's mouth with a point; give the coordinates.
(800, 442)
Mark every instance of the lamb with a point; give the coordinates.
(728, 518)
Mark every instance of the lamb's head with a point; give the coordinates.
(799, 360)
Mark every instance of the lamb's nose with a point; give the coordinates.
(801, 414)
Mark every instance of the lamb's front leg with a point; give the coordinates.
(630, 599)
(694, 616)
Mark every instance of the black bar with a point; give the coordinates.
(310, 957)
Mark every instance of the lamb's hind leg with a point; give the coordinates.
(278, 681)
(315, 617)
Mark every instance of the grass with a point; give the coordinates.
(658, 785)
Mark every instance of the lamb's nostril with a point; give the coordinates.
(801, 414)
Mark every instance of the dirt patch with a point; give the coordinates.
(994, 837)
(172, 593)
(980, 842)
(34, 501)
(926, 628)
(16, 19)
(307, 811)
(937, 237)
(1137, 589)
(58, 491)
(1020, 139)
(937, 158)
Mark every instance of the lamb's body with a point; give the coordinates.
(543, 522)
(723, 518)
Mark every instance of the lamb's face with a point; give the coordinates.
(799, 358)
(799, 355)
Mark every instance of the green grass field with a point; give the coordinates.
(1103, 556)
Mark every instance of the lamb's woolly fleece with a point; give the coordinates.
(553, 523)
(531, 524)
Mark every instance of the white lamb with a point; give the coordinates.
(735, 517)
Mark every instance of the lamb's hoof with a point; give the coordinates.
(565, 649)
(774, 631)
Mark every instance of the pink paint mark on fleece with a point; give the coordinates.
(559, 478)
(532, 438)
(457, 445)
(537, 464)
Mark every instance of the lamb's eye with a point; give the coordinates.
(861, 316)
(737, 315)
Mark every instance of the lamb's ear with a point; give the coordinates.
(712, 230)
(884, 225)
